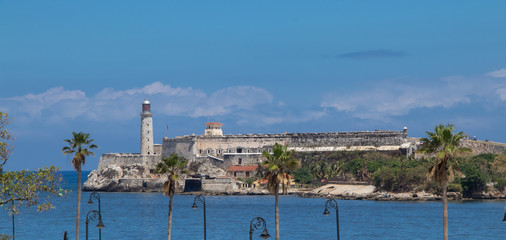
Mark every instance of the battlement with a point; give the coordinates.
(377, 133)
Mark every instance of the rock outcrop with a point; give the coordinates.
(130, 178)
(368, 192)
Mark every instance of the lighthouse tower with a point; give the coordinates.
(146, 129)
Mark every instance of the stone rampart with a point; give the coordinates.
(218, 185)
(199, 146)
(182, 146)
(127, 159)
(479, 147)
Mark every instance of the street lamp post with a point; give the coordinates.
(93, 217)
(331, 203)
(201, 200)
(96, 196)
(259, 224)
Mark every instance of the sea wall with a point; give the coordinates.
(210, 185)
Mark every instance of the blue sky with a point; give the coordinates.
(256, 66)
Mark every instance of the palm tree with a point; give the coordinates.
(79, 146)
(276, 166)
(445, 144)
(173, 166)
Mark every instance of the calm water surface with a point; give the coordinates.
(144, 216)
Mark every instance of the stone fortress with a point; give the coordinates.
(214, 153)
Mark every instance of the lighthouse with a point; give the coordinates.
(146, 129)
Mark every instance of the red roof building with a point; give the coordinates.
(214, 124)
(242, 171)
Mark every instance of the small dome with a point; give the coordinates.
(145, 101)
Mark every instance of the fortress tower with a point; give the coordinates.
(213, 129)
(146, 129)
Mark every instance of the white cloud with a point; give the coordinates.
(57, 104)
(397, 99)
(34, 104)
(497, 74)
(502, 93)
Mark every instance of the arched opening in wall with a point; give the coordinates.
(200, 151)
(239, 150)
(240, 161)
(208, 151)
(248, 151)
(235, 174)
(219, 151)
(247, 174)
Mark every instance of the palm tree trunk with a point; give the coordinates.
(170, 216)
(78, 202)
(276, 212)
(445, 211)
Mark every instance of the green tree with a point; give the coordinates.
(24, 188)
(6, 140)
(79, 146)
(444, 143)
(303, 175)
(173, 166)
(5, 237)
(324, 170)
(318, 170)
(275, 168)
(476, 178)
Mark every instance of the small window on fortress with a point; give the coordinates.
(239, 150)
(230, 150)
(249, 151)
(240, 161)
(200, 151)
(208, 151)
(219, 151)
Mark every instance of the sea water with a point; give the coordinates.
(145, 216)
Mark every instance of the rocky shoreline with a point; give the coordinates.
(136, 178)
(326, 192)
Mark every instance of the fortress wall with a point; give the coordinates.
(479, 147)
(193, 147)
(246, 159)
(237, 143)
(157, 148)
(260, 142)
(183, 146)
(348, 139)
(125, 159)
(218, 185)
